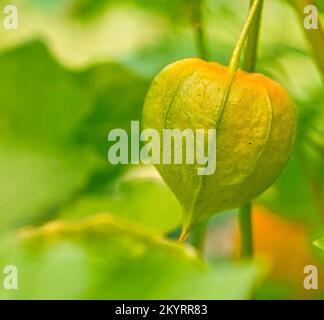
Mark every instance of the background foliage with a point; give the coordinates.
(76, 69)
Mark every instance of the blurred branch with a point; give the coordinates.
(249, 63)
(250, 30)
(251, 49)
(198, 235)
(250, 22)
(197, 24)
(315, 37)
(245, 223)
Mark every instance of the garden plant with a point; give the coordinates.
(75, 225)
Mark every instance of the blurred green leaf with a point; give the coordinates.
(34, 180)
(320, 5)
(116, 33)
(315, 37)
(105, 257)
(85, 9)
(117, 96)
(290, 195)
(146, 201)
(41, 105)
(171, 9)
(54, 132)
(299, 192)
(319, 243)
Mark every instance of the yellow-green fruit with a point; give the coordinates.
(255, 123)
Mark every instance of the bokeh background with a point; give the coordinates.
(75, 69)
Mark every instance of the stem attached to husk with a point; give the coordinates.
(252, 16)
(249, 63)
(252, 21)
(250, 53)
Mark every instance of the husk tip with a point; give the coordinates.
(184, 234)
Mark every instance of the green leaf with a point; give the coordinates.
(304, 174)
(281, 196)
(107, 85)
(41, 104)
(170, 9)
(105, 257)
(137, 200)
(40, 162)
(117, 32)
(319, 243)
(33, 181)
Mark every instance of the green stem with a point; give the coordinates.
(199, 32)
(252, 21)
(235, 59)
(245, 222)
(250, 53)
(198, 235)
(249, 63)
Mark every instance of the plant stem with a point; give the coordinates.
(198, 235)
(235, 59)
(250, 53)
(199, 32)
(252, 21)
(249, 63)
(245, 223)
